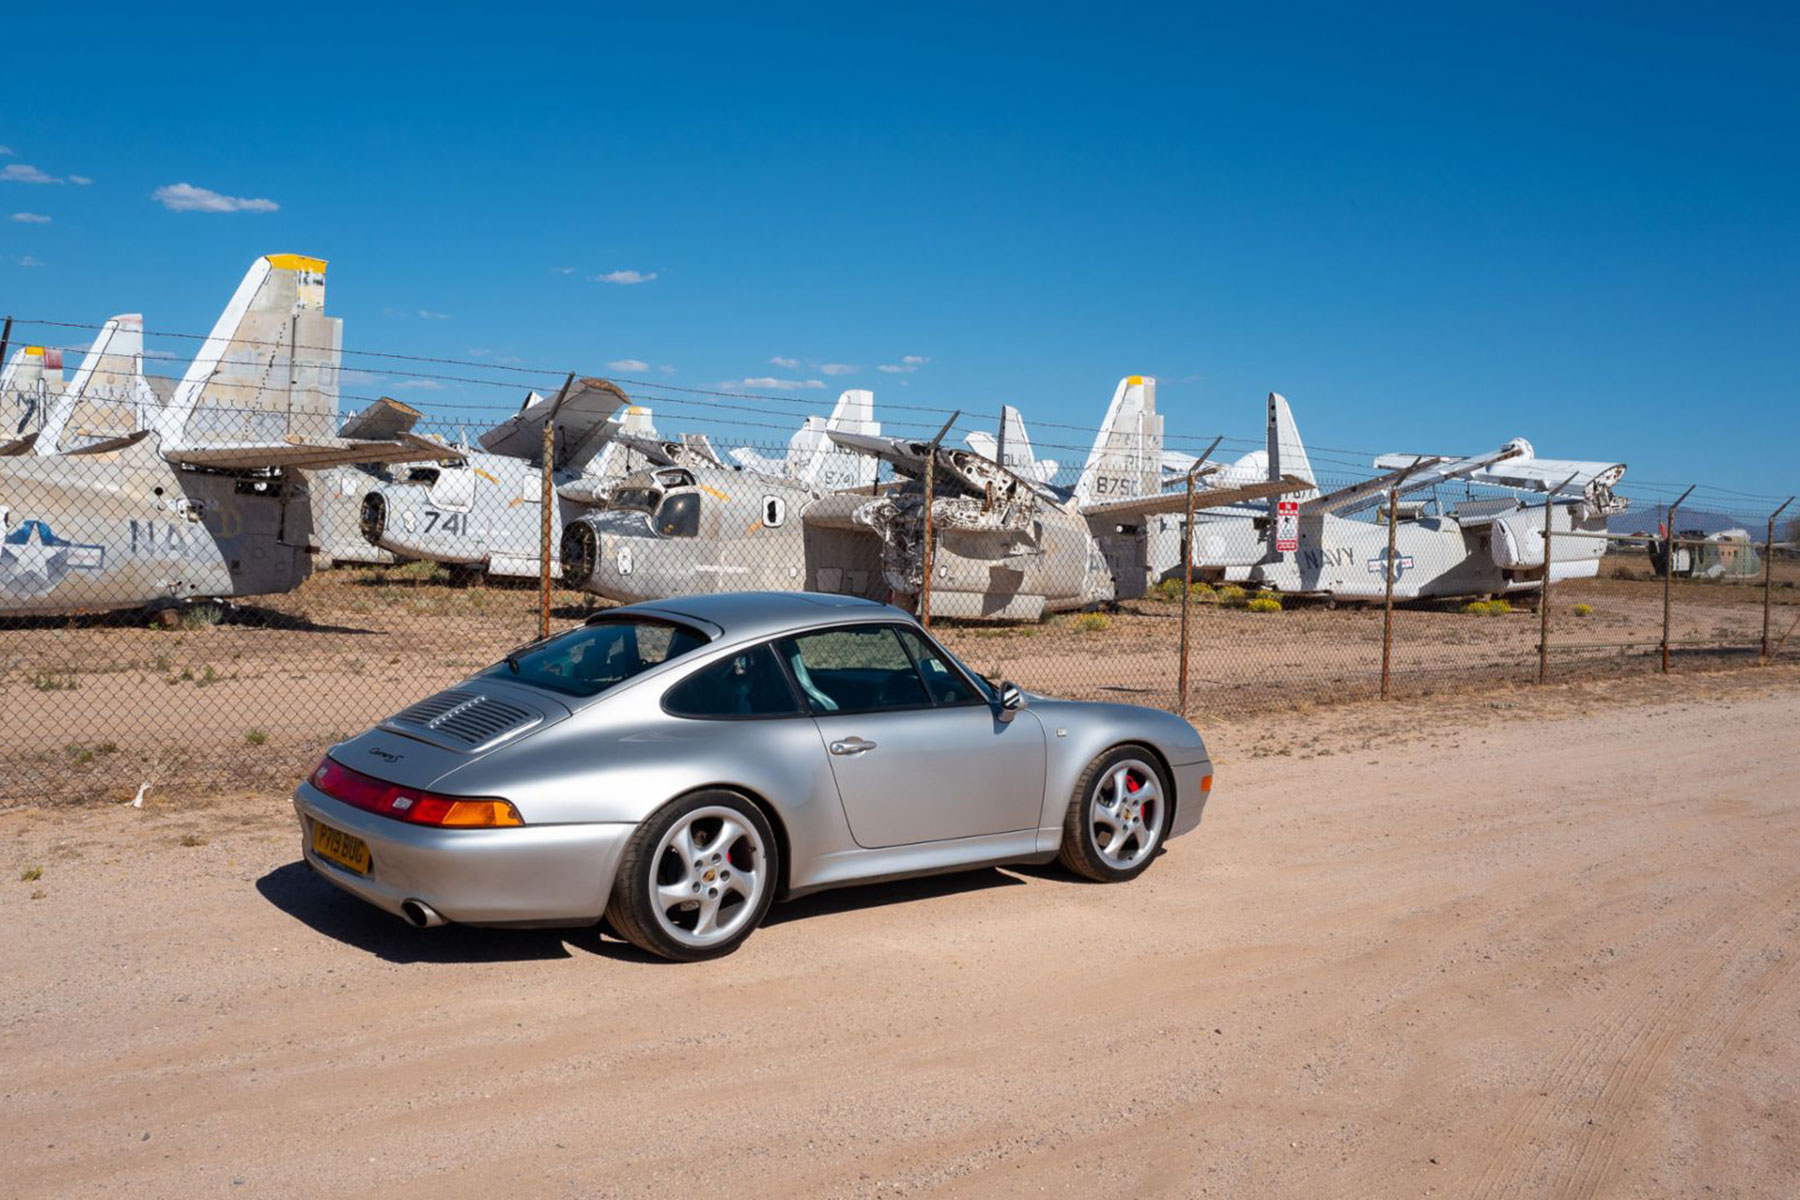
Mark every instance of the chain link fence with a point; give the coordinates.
(181, 617)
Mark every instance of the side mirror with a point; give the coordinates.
(1012, 700)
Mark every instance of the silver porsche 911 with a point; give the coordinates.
(678, 766)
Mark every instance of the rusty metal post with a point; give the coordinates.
(548, 497)
(1544, 592)
(1187, 575)
(1669, 573)
(930, 480)
(1768, 577)
(5, 340)
(1387, 620)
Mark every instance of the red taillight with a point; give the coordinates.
(410, 804)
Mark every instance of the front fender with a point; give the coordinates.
(1077, 732)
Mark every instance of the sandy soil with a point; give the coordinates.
(1533, 943)
(94, 708)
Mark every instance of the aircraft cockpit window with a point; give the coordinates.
(425, 475)
(774, 512)
(638, 499)
(679, 515)
(454, 489)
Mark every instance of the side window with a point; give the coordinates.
(774, 512)
(946, 684)
(749, 684)
(679, 515)
(854, 670)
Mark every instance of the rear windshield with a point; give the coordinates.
(587, 661)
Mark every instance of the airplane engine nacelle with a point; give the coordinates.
(1516, 540)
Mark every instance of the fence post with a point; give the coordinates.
(1544, 592)
(1768, 577)
(1387, 618)
(1669, 573)
(1187, 576)
(930, 478)
(5, 340)
(547, 498)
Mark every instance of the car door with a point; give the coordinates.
(916, 749)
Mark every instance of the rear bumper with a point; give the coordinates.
(532, 875)
(1190, 800)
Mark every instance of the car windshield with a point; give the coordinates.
(587, 661)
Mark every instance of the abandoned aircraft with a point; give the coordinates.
(206, 499)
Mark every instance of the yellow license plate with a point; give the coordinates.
(341, 848)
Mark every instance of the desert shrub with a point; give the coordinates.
(1093, 622)
(256, 737)
(1264, 604)
(1233, 596)
(1487, 608)
(201, 616)
(1584, 610)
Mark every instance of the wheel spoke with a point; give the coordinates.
(1121, 785)
(683, 845)
(707, 920)
(729, 832)
(743, 883)
(668, 895)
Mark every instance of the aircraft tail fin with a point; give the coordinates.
(1286, 453)
(27, 385)
(818, 462)
(1127, 456)
(108, 389)
(269, 370)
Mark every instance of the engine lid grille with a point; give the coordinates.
(465, 720)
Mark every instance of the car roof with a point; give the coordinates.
(761, 614)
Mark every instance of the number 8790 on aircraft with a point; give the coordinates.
(678, 766)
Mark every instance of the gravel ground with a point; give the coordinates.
(1527, 944)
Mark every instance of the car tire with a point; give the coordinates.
(1133, 831)
(681, 894)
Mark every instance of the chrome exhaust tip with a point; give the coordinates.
(421, 914)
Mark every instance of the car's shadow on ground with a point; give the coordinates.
(296, 890)
(880, 895)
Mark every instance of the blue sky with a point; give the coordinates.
(1430, 226)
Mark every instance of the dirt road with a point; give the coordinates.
(1410, 951)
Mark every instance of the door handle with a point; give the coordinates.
(853, 745)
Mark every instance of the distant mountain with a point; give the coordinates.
(1649, 518)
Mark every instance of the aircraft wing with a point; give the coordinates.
(18, 446)
(581, 424)
(1358, 494)
(386, 418)
(903, 454)
(1410, 473)
(311, 456)
(1204, 498)
(1543, 474)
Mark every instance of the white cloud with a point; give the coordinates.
(28, 261)
(765, 383)
(25, 173)
(185, 197)
(624, 277)
(628, 364)
(80, 180)
(838, 369)
(666, 369)
(358, 376)
(428, 315)
(478, 352)
(779, 361)
(31, 218)
(906, 366)
(159, 354)
(6, 149)
(418, 385)
(562, 270)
